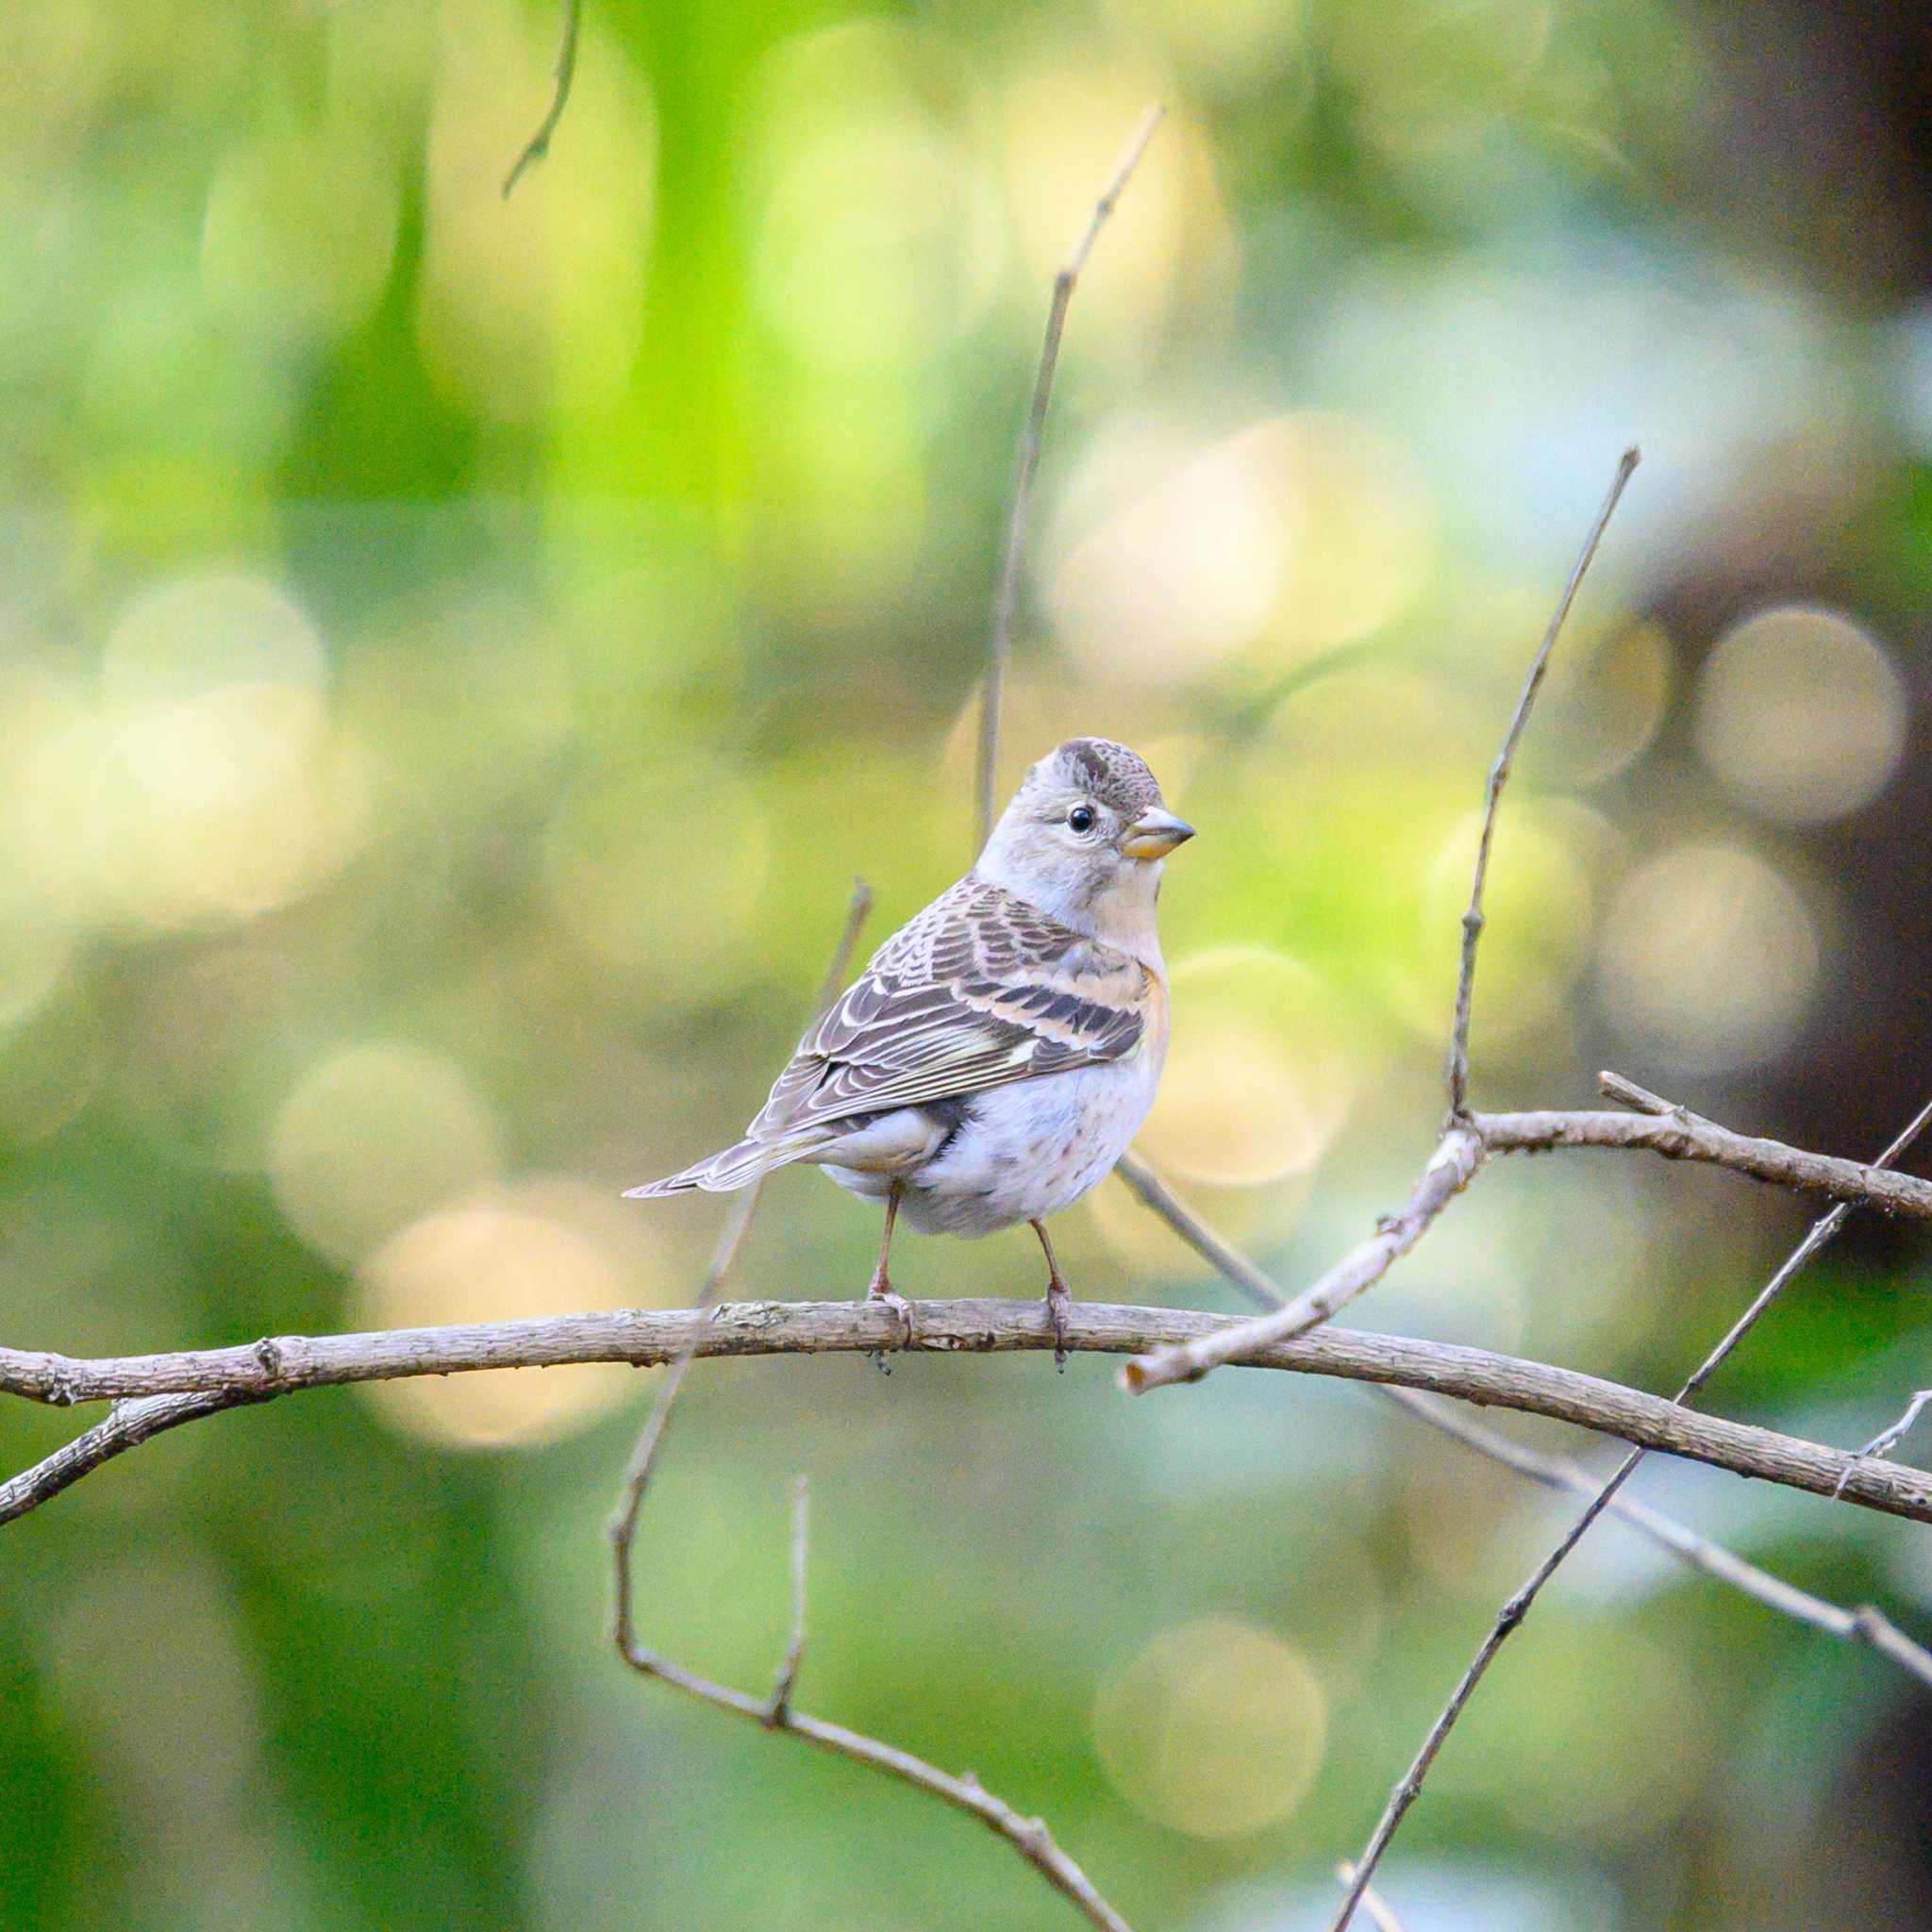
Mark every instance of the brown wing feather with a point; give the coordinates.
(978, 990)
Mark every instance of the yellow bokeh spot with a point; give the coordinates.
(1709, 957)
(1259, 1075)
(1299, 534)
(541, 1249)
(532, 308)
(1215, 1729)
(1536, 907)
(1142, 1242)
(1802, 714)
(373, 1138)
(659, 867)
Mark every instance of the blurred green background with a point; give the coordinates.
(454, 656)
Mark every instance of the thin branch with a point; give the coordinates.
(130, 1424)
(1499, 776)
(1681, 1135)
(1450, 1170)
(1409, 1788)
(1026, 461)
(1889, 1437)
(1864, 1624)
(1373, 1902)
(787, 1680)
(1678, 1134)
(1029, 1836)
(644, 1337)
(539, 144)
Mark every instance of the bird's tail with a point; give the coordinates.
(734, 1167)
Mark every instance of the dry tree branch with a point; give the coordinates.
(1461, 1149)
(539, 144)
(1889, 1437)
(1029, 1836)
(1408, 1786)
(1450, 1170)
(1499, 776)
(644, 1337)
(1866, 1625)
(1026, 461)
(1677, 1135)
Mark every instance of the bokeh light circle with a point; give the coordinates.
(1215, 1729)
(373, 1137)
(1258, 1077)
(1708, 958)
(1802, 714)
(542, 1248)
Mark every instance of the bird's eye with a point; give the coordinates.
(1081, 818)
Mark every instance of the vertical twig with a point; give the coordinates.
(1512, 1613)
(1499, 776)
(539, 144)
(780, 1705)
(1027, 462)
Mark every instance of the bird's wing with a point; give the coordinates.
(978, 990)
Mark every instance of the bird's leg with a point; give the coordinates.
(880, 1287)
(1058, 1297)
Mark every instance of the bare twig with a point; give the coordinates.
(644, 1337)
(1681, 1135)
(1512, 1613)
(1890, 1437)
(539, 144)
(130, 1424)
(1450, 1170)
(1677, 1133)
(1373, 1902)
(1499, 776)
(1864, 1624)
(1026, 461)
(787, 1680)
(1029, 1836)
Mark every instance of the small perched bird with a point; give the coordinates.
(999, 1052)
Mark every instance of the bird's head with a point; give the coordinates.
(1084, 839)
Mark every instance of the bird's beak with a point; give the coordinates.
(1154, 834)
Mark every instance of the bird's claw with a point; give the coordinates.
(883, 1291)
(1057, 1302)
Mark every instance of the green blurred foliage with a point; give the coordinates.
(455, 653)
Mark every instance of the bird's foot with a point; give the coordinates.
(881, 1289)
(1059, 1299)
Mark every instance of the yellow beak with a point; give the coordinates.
(1154, 834)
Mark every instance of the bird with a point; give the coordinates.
(998, 1053)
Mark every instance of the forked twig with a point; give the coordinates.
(1463, 1146)
(1373, 1903)
(1865, 1624)
(1026, 461)
(539, 144)
(1408, 1785)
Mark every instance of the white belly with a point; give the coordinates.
(1023, 1150)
